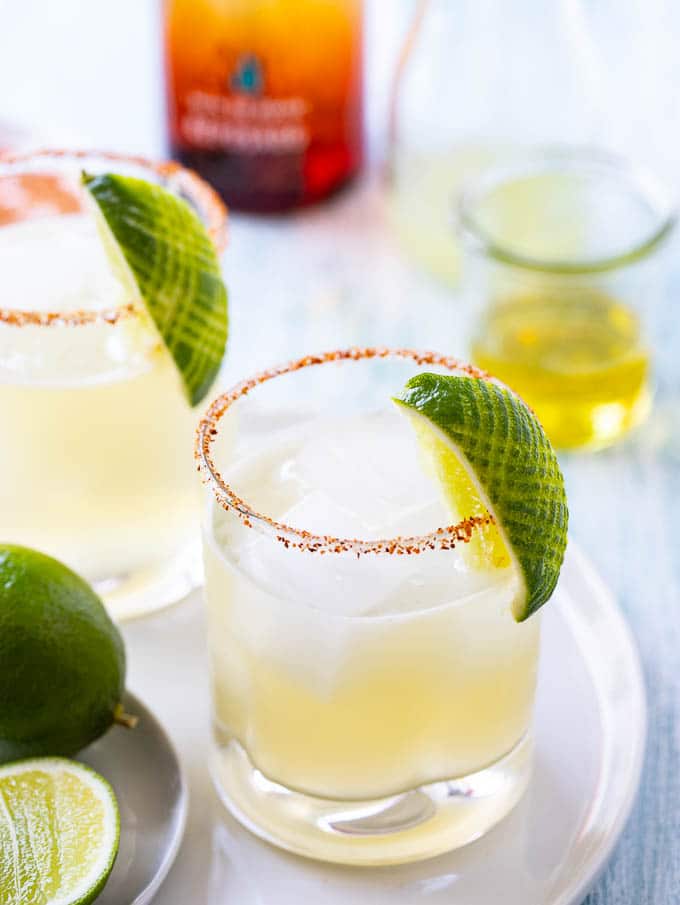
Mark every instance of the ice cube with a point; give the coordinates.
(368, 465)
(341, 584)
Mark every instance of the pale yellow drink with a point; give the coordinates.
(349, 677)
(95, 459)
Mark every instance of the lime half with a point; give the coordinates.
(59, 830)
(162, 253)
(491, 455)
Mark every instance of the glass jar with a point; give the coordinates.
(565, 272)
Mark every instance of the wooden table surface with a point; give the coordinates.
(332, 276)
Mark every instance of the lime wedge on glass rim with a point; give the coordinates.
(59, 832)
(163, 255)
(491, 454)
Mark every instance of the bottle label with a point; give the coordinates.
(244, 119)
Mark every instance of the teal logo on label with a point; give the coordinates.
(247, 79)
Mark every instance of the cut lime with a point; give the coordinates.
(59, 830)
(492, 455)
(162, 253)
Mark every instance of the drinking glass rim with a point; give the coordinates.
(443, 538)
(185, 182)
(636, 179)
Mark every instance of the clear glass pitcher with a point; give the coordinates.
(475, 79)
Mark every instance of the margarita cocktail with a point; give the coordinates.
(372, 688)
(95, 462)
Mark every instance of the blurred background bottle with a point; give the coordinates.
(265, 96)
(477, 79)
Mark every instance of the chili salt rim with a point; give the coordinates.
(444, 538)
(184, 182)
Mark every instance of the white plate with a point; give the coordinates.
(590, 734)
(145, 773)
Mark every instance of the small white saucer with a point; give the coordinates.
(590, 734)
(144, 770)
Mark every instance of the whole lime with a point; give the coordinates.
(62, 660)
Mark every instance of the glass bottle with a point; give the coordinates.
(475, 79)
(265, 96)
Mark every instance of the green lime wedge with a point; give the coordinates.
(491, 454)
(161, 251)
(59, 831)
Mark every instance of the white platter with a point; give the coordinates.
(590, 734)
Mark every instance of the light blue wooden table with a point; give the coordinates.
(334, 276)
(331, 277)
(626, 514)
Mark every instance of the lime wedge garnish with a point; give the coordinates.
(59, 829)
(162, 253)
(492, 455)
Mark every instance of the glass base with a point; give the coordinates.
(411, 826)
(147, 590)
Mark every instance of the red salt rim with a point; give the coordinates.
(183, 182)
(444, 538)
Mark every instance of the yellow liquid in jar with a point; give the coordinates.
(577, 358)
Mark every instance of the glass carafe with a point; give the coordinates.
(476, 79)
